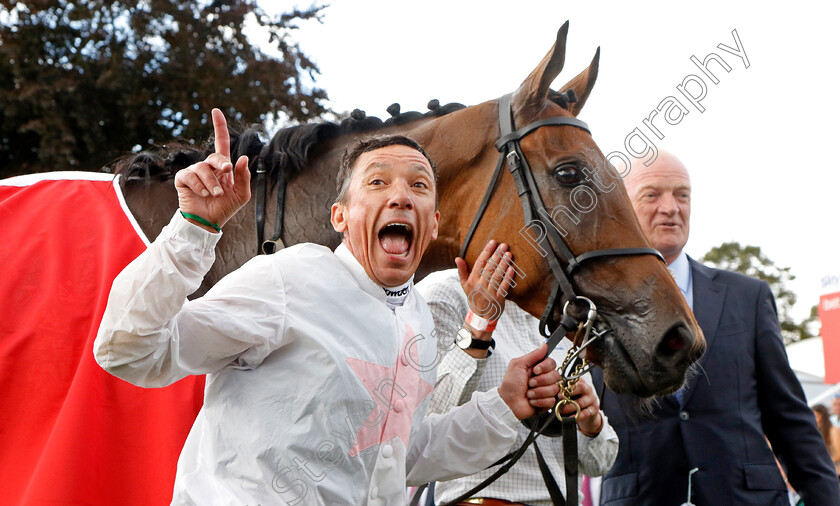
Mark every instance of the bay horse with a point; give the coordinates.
(57, 441)
(652, 336)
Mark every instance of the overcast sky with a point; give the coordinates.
(761, 156)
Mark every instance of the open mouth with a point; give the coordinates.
(396, 238)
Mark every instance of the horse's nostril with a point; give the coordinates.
(675, 341)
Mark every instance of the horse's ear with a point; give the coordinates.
(583, 84)
(536, 87)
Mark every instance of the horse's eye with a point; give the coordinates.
(567, 175)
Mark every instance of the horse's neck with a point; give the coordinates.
(462, 145)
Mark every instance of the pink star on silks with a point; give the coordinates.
(397, 392)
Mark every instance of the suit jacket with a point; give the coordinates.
(742, 390)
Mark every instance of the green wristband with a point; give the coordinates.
(201, 220)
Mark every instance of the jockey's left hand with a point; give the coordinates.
(215, 189)
(530, 384)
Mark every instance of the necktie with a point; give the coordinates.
(587, 493)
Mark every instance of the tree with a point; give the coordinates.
(84, 81)
(749, 260)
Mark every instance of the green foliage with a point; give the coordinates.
(84, 81)
(749, 260)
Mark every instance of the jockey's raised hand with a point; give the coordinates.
(214, 189)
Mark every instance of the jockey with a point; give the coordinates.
(319, 363)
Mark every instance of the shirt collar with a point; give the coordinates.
(682, 272)
(396, 295)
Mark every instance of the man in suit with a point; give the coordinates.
(742, 391)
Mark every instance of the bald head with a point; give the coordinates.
(661, 197)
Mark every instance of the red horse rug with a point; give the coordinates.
(69, 432)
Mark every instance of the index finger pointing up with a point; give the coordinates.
(220, 133)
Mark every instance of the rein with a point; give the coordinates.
(574, 365)
(573, 368)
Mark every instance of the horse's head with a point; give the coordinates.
(651, 335)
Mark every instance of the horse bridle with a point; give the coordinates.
(276, 243)
(533, 209)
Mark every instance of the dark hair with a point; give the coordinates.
(348, 159)
(824, 422)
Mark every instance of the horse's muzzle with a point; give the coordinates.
(679, 347)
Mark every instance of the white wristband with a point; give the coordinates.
(480, 324)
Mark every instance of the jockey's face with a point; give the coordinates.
(661, 196)
(389, 217)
